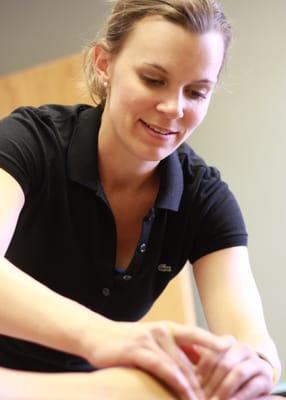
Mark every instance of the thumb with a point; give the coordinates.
(187, 336)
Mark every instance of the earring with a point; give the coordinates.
(105, 84)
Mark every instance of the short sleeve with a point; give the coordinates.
(21, 147)
(220, 223)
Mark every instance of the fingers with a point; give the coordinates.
(255, 386)
(152, 347)
(165, 360)
(206, 368)
(157, 364)
(258, 381)
(174, 354)
(167, 343)
(214, 367)
(236, 374)
(189, 337)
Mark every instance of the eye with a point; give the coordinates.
(196, 94)
(150, 81)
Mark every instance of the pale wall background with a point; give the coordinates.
(244, 134)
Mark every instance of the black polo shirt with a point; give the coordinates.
(66, 233)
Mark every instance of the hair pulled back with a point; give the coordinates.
(197, 16)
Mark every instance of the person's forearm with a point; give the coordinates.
(37, 314)
(19, 385)
(31, 311)
(110, 383)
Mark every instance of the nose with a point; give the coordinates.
(172, 106)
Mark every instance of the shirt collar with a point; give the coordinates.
(83, 164)
(172, 183)
(82, 153)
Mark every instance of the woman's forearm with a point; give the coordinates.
(31, 311)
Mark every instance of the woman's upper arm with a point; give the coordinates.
(11, 202)
(228, 292)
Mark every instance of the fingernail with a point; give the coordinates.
(214, 398)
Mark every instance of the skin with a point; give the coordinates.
(167, 85)
(176, 101)
(130, 384)
(239, 373)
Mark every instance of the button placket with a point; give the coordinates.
(142, 247)
(147, 225)
(143, 242)
(150, 216)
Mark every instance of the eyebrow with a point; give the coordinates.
(157, 66)
(162, 69)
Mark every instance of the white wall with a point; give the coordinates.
(244, 135)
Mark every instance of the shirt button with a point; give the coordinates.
(142, 248)
(106, 292)
(127, 277)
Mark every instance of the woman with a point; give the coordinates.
(102, 206)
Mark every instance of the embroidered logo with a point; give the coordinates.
(164, 268)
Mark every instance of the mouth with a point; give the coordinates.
(160, 131)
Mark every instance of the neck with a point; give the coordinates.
(120, 170)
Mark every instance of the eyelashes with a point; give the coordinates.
(195, 94)
(189, 92)
(152, 81)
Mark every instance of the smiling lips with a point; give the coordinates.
(160, 131)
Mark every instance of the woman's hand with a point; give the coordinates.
(156, 348)
(236, 374)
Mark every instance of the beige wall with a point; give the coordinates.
(37, 31)
(245, 136)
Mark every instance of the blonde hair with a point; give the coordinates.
(197, 16)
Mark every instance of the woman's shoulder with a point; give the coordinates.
(35, 139)
(194, 167)
(54, 112)
(48, 122)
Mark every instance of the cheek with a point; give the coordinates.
(200, 113)
(194, 117)
(130, 93)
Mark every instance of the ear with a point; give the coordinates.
(102, 61)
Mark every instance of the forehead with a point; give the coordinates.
(157, 40)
